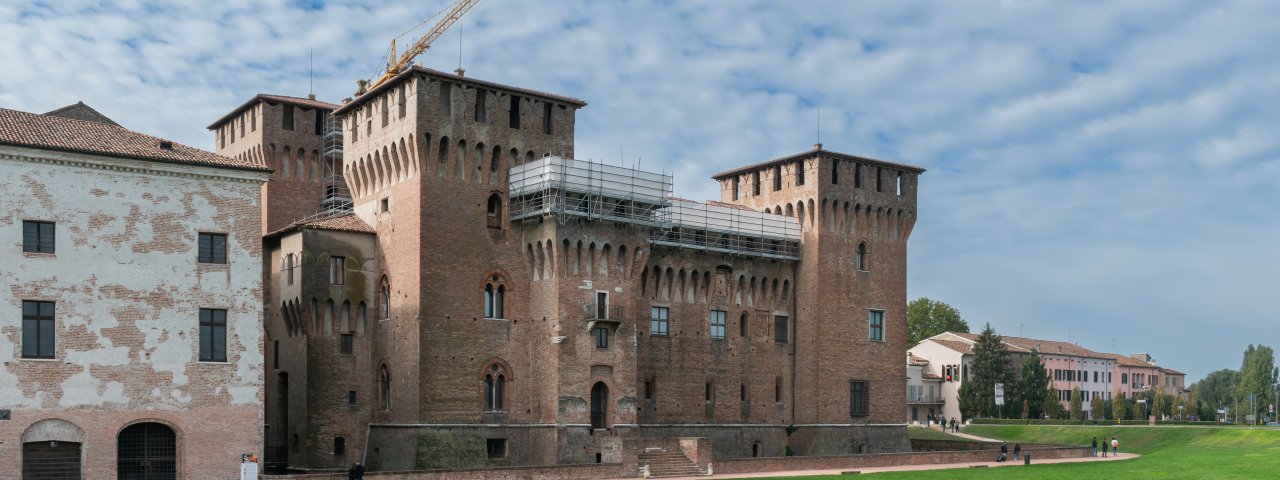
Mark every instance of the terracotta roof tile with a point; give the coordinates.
(1127, 361)
(347, 222)
(818, 151)
(956, 345)
(81, 136)
(305, 102)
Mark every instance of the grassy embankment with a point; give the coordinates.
(1167, 453)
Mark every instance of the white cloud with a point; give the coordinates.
(1104, 167)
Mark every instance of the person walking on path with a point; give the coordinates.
(1115, 446)
(1017, 452)
(1094, 448)
(1104, 447)
(953, 424)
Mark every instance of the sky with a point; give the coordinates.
(1098, 172)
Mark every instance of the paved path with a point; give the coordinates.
(908, 468)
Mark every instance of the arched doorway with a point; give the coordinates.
(599, 405)
(51, 450)
(147, 451)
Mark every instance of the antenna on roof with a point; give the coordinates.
(819, 126)
(460, 71)
(311, 78)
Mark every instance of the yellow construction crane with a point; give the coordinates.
(395, 65)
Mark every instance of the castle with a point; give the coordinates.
(470, 295)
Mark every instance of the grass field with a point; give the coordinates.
(1167, 453)
(921, 433)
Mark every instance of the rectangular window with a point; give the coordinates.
(777, 390)
(710, 392)
(835, 172)
(351, 398)
(37, 329)
(513, 120)
(755, 183)
(742, 393)
(482, 107)
(275, 354)
(496, 448)
(781, 329)
(658, 321)
(736, 187)
(777, 178)
(879, 172)
(602, 305)
(288, 117)
(338, 270)
(875, 322)
(320, 116)
(859, 398)
(253, 119)
(386, 111)
(717, 324)
(355, 131)
(800, 172)
(857, 175)
(1095, 377)
(213, 335)
(37, 237)
(648, 389)
(546, 118)
(213, 248)
(339, 446)
(602, 337)
(346, 343)
(400, 100)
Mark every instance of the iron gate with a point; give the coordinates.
(147, 451)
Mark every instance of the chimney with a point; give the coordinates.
(166, 145)
(311, 96)
(460, 72)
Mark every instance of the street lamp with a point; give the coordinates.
(1180, 413)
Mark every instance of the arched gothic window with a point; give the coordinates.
(861, 258)
(495, 384)
(495, 298)
(493, 214)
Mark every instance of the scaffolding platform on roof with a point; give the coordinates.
(704, 226)
(566, 188)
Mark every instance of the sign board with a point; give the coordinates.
(1270, 408)
(4, 414)
(248, 466)
(1000, 394)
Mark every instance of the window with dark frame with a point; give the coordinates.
(743, 323)
(351, 398)
(337, 270)
(288, 117)
(649, 389)
(602, 305)
(857, 175)
(482, 108)
(875, 325)
(37, 237)
(800, 172)
(658, 321)
(346, 343)
(755, 183)
(339, 446)
(546, 118)
(737, 184)
(275, 354)
(446, 99)
(777, 390)
(320, 117)
(513, 120)
(288, 269)
(777, 178)
(781, 329)
(859, 398)
(496, 448)
(37, 329)
(602, 337)
(710, 392)
(835, 172)
(717, 324)
(213, 335)
(860, 257)
(213, 248)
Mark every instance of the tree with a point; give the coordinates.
(990, 366)
(1119, 405)
(1077, 404)
(926, 318)
(1031, 385)
(1257, 377)
(1178, 408)
(1157, 403)
(1052, 405)
(1215, 390)
(1096, 408)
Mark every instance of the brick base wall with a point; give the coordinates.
(849, 462)
(555, 472)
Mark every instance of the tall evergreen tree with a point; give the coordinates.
(1119, 405)
(1096, 409)
(990, 366)
(1077, 404)
(1031, 384)
(1052, 405)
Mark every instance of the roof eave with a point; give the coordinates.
(245, 168)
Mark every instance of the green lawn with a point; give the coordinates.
(1167, 453)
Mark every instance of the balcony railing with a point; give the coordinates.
(924, 398)
(604, 313)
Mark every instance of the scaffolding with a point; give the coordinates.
(732, 230)
(573, 188)
(337, 196)
(566, 188)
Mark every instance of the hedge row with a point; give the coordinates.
(1019, 421)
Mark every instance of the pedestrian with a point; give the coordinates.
(351, 473)
(953, 424)
(1004, 450)
(358, 471)
(1094, 448)
(1017, 452)
(1104, 447)
(1115, 447)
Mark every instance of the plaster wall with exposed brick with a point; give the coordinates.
(128, 290)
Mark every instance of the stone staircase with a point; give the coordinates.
(664, 464)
